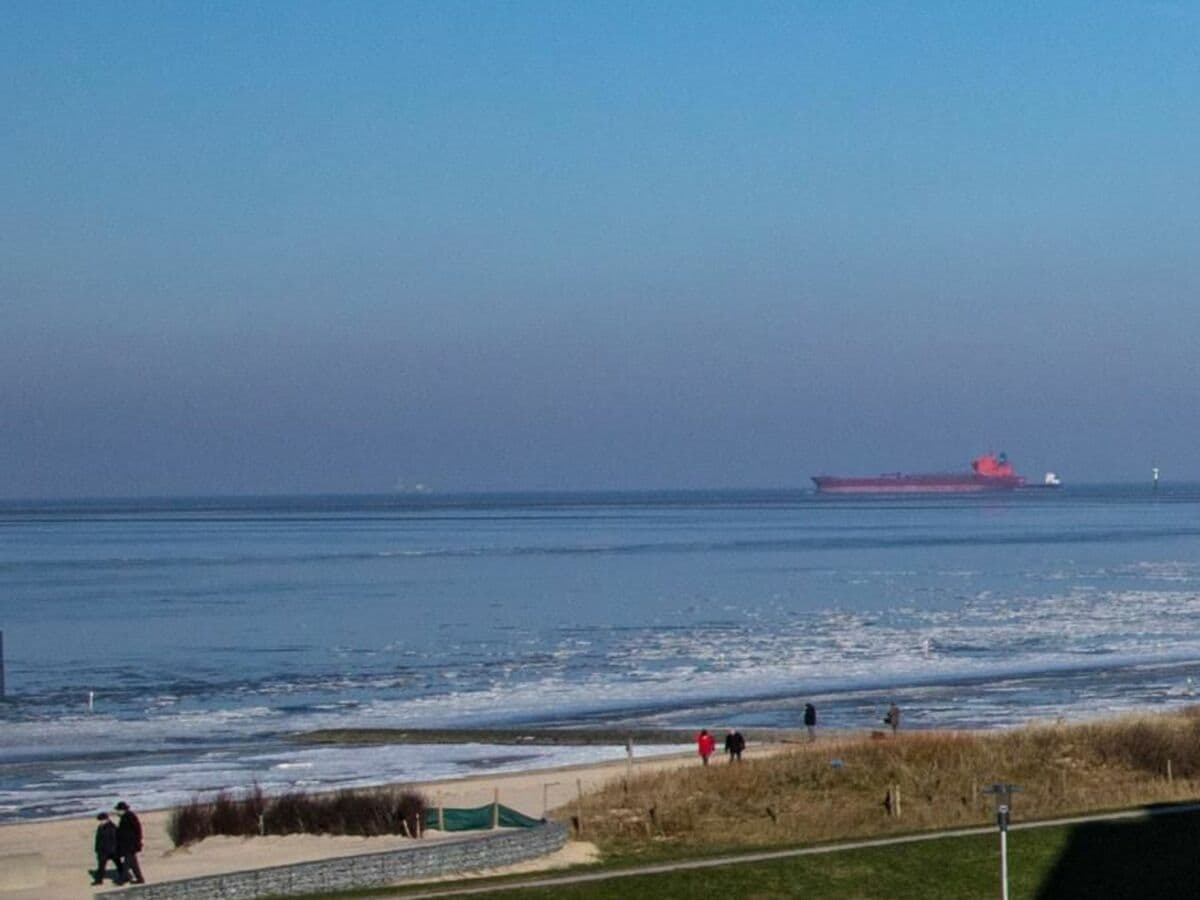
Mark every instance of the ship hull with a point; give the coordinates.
(916, 484)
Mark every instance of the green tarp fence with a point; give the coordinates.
(477, 818)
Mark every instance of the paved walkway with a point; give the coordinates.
(766, 856)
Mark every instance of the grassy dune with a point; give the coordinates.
(803, 796)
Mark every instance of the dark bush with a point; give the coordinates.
(189, 823)
(410, 809)
(236, 817)
(285, 814)
(366, 813)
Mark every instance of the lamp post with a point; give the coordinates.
(1003, 794)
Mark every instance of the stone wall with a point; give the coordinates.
(424, 859)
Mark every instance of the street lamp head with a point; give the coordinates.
(1003, 794)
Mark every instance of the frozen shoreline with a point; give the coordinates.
(42, 776)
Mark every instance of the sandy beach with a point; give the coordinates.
(66, 844)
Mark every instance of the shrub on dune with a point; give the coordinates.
(364, 813)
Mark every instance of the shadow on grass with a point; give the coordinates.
(1144, 860)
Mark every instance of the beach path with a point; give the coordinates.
(66, 844)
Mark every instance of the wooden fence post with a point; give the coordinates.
(495, 808)
(579, 803)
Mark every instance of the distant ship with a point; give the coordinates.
(990, 472)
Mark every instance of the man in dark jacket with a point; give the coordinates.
(810, 720)
(106, 848)
(129, 844)
(734, 745)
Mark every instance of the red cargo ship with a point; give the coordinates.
(990, 472)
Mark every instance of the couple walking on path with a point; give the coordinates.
(706, 745)
(120, 843)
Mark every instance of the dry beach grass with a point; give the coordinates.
(844, 786)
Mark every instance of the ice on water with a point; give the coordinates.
(235, 631)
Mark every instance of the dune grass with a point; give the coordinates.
(845, 788)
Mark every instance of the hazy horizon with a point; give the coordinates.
(292, 248)
(1168, 489)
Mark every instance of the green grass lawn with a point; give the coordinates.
(1157, 858)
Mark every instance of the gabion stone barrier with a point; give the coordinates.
(342, 873)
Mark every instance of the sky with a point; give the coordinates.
(352, 247)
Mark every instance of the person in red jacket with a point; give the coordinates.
(705, 744)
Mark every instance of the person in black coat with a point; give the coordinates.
(810, 720)
(129, 844)
(106, 848)
(734, 745)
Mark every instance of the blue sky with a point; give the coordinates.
(340, 247)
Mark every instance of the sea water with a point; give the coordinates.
(158, 649)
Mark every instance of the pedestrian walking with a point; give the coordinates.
(705, 745)
(810, 720)
(106, 849)
(734, 745)
(893, 717)
(129, 845)
(739, 744)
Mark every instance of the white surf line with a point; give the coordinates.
(769, 855)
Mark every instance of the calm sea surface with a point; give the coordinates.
(206, 631)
